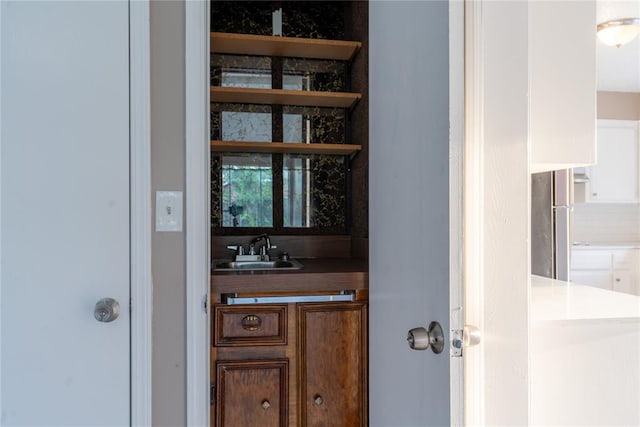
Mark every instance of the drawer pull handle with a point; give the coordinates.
(265, 404)
(251, 322)
(318, 399)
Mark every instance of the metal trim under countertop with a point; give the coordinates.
(285, 299)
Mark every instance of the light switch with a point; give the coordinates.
(168, 210)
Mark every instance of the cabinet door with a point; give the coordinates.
(252, 393)
(332, 364)
(615, 177)
(592, 267)
(591, 259)
(623, 282)
(562, 84)
(597, 278)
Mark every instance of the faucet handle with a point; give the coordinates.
(238, 248)
(264, 249)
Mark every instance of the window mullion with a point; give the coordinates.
(277, 134)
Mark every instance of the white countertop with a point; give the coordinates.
(558, 300)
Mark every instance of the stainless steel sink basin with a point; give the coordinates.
(228, 265)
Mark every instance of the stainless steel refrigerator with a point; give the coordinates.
(552, 223)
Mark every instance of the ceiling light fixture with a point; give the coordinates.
(618, 31)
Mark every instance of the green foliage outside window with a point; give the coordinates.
(247, 193)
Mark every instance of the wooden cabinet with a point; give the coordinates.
(612, 268)
(252, 393)
(615, 178)
(301, 364)
(562, 84)
(331, 365)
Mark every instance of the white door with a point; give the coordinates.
(408, 210)
(64, 212)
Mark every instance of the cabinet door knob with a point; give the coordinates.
(617, 279)
(265, 404)
(318, 399)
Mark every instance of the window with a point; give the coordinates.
(303, 191)
(247, 191)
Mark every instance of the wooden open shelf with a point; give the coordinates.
(244, 95)
(248, 44)
(281, 147)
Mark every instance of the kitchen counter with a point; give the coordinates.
(584, 350)
(607, 245)
(558, 300)
(323, 274)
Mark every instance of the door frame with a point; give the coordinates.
(197, 24)
(456, 206)
(492, 221)
(198, 229)
(496, 212)
(141, 286)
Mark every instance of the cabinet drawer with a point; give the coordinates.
(624, 258)
(597, 278)
(250, 325)
(590, 260)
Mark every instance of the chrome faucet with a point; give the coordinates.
(264, 249)
(242, 256)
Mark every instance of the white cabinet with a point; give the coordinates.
(562, 84)
(615, 177)
(597, 278)
(625, 275)
(612, 268)
(624, 281)
(592, 267)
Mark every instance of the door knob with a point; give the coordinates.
(421, 338)
(106, 310)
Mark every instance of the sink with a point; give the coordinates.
(228, 265)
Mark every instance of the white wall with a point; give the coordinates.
(168, 173)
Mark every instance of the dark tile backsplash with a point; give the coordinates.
(247, 17)
(312, 19)
(327, 184)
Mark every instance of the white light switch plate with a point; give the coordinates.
(168, 210)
